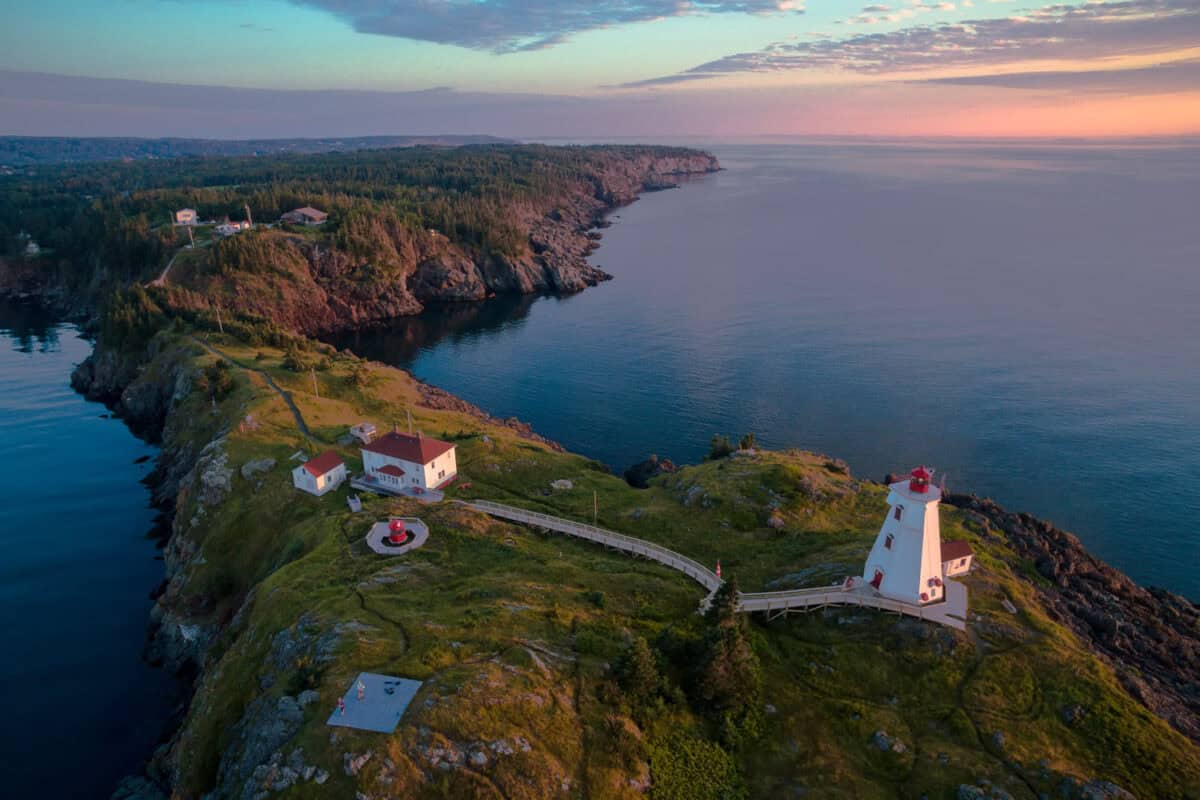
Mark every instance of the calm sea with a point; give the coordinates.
(1024, 319)
(81, 709)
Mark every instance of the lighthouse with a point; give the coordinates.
(906, 560)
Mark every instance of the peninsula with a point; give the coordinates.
(523, 663)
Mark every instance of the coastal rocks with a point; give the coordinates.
(214, 476)
(1151, 637)
(562, 485)
(267, 724)
(641, 473)
(352, 764)
(886, 743)
(1103, 790)
(256, 467)
(138, 787)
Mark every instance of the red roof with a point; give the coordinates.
(323, 463)
(414, 449)
(953, 551)
(391, 469)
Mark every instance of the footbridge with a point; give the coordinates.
(854, 592)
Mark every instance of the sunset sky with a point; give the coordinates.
(601, 68)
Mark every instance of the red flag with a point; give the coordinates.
(718, 567)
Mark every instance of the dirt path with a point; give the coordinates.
(283, 393)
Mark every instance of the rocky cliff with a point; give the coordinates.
(1150, 636)
(272, 599)
(314, 284)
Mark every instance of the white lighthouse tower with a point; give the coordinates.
(906, 561)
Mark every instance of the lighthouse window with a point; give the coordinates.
(898, 512)
(888, 542)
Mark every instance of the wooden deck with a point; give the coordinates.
(951, 612)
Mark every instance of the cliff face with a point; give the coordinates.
(311, 285)
(273, 598)
(1150, 636)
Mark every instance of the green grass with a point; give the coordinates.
(513, 632)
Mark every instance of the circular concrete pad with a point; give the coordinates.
(377, 537)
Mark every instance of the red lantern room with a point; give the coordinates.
(397, 534)
(919, 480)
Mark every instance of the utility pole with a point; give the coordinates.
(220, 327)
(316, 391)
(595, 509)
(249, 218)
(191, 238)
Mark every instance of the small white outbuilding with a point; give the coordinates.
(956, 558)
(319, 475)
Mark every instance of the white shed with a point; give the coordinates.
(956, 558)
(319, 475)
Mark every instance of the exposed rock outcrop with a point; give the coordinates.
(1150, 636)
(641, 473)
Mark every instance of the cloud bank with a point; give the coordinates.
(1089, 31)
(505, 26)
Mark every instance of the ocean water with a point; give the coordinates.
(1025, 319)
(81, 709)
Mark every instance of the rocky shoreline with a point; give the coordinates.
(1150, 637)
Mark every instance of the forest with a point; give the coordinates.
(116, 214)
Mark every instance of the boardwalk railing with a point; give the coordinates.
(629, 544)
(772, 603)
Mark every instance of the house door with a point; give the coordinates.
(878, 579)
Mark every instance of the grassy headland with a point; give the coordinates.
(524, 640)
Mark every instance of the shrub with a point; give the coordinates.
(684, 767)
(719, 447)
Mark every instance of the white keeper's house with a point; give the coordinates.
(403, 461)
(321, 474)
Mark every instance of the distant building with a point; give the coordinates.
(186, 216)
(228, 228)
(399, 461)
(319, 475)
(32, 249)
(956, 558)
(305, 216)
(363, 431)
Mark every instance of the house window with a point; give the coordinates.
(888, 542)
(898, 512)
(962, 562)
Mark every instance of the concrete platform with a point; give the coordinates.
(368, 484)
(377, 537)
(378, 711)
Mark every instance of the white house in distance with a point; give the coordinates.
(319, 475)
(228, 228)
(186, 216)
(403, 461)
(305, 216)
(906, 560)
(363, 431)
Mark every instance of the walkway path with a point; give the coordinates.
(162, 276)
(283, 393)
(951, 612)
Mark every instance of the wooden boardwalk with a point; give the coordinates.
(951, 612)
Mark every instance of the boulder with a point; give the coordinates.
(252, 468)
(641, 473)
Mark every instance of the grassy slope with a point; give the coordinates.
(512, 631)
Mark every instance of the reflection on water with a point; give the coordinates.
(405, 338)
(1023, 318)
(75, 576)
